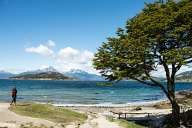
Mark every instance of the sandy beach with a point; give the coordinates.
(97, 116)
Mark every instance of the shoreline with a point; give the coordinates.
(131, 104)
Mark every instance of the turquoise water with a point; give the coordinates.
(83, 92)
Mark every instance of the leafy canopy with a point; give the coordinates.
(160, 35)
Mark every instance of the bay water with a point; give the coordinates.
(83, 92)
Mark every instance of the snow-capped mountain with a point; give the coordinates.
(49, 73)
(5, 75)
(184, 76)
(83, 75)
(74, 74)
(48, 69)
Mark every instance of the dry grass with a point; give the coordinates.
(49, 112)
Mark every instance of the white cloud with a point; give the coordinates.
(69, 58)
(50, 43)
(44, 66)
(66, 58)
(67, 54)
(159, 73)
(41, 50)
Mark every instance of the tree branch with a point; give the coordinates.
(144, 82)
(166, 68)
(189, 61)
(174, 70)
(158, 84)
(178, 66)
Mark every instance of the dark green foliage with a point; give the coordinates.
(160, 35)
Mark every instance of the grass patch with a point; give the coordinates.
(49, 112)
(124, 123)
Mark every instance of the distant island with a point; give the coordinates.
(42, 76)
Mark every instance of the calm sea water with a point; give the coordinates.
(83, 92)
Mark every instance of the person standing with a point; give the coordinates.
(14, 96)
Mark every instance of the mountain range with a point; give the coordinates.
(83, 76)
(184, 76)
(48, 69)
(51, 73)
(5, 75)
(74, 74)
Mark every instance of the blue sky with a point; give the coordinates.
(60, 33)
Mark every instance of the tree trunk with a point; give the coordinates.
(175, 114)
(175, 117)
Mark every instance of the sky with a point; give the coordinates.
(64, 34)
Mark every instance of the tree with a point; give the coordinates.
(160, 35)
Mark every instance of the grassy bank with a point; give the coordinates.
(49, 112)
(124, 123)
